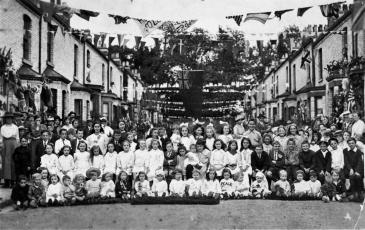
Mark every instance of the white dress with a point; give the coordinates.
(110, 162)
(125, 161)
(50, 161)
(54, 189)
(177, 187)
(98, 162)
(155, 161)
(209, 142)
(211, 186)
(160, 187)
(233, 160)
(194, 186)
(218, 158)
(245, 160)
(100, 140)
(66, 163)
(187, 141)
(107, 188)
(140, 160)
(82, 162)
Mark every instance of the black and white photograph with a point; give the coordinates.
(182, 114)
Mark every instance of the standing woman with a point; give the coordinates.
(10, 138)
(36, 129)
(123, 131)
(98, 138)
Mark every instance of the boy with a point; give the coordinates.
(61, 142)
(328, 189)
(339, 185)
(75, 142)
(277, 159)
(314, 185)
(68, 191)
(306, 159)
(323, 160)
(19, 194)
(36, 193)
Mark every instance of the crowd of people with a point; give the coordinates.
(58, 162)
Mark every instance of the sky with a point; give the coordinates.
(209, 13)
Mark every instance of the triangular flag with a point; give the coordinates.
(48, 10)
(147, 26)
(281, 12)
(103, 36)
(111, 39)
(237, 19)
(120, 39)
(301, 11)
(138, 40)
(143, 43)
(86, 14)
(331, 10)
(261, 17)
(305, 58)
(119, 19)
(125, 41)
(157, 46)
(96, 39)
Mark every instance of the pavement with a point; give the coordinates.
(5, 200)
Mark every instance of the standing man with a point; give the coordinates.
(358, 127)
(40, 149)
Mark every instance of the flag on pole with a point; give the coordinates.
(237, 19)
(119, 19)
(120, 39)
(281, 12)
(261, 17)
(301, 11)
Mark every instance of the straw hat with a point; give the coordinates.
(92, 170)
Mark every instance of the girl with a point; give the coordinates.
(226, 136)
(142, 186)
(241, 186)
(204, 156)
(155, 161)
(227, 184)
(132, 144)
(54, 195)
(44, 177)
(153, 136)
(209, 140)
(98, 138)
(194, 185)
(186, 139)
(110, 160)
(93, 186)
(291, 159)
(107, 186)
(21, 158)
(66, 163)
(191, 161)
(314, 185)
(181, 157)
(159, 186)
(140, 158)
(176, 138)
(125, 159)
(267, 145)
(314, 143)
(198, 132)
(342, 140)
(301, 187)
(281, 138)
(177, 185)
(211, 186)
(259, 188)
(293, 133)
(82, 159)
(218, 159)
(233, 157)
(50, 160)
(123, 186)
(244, 162)
(67, 124)
(170, 161)
(80, 191)
(96, 159)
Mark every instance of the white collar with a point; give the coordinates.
(349, 149)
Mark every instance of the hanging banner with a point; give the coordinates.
(331, 10)
(111, 39)
(301, 11)
(96, 39)
(125, 41)
(147, 26)
(103, 36)
(120, 39)
(261, 17)
(237, 19)
(177, 27)
(119, 19)
(281, 12)
(138, 40)
(86, 14)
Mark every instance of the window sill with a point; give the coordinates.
(50, 64)
(27, 62)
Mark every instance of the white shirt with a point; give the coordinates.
(358, 128)
(225, 138)
(54, 189)
(98, 162)
(209, 142)
(194, 185)
(107, 188)
(108, 131)
(101, 140)
(8, 131)
(159, 187)
(155, 159)
(140, 160)
(50, 161)
(59, 145)
(177, 186)
(227, 185)
(211, 186)
(125, 161)
(315, 187)
(187, 141)
(337, 158)
(245, 157)
(110, 162)
(191, 159)
(241, 186)
(66, 163)
(302, 187)
(218, 158)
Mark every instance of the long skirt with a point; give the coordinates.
(8, 167)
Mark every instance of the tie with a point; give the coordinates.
(276, 156)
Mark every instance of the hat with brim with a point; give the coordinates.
(8, 115)
(21, 128)
(102, 119)
(50, 119)
(92, 171)
(160, 173)
(108, 174)
(345, 113)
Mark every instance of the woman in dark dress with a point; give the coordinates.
(21, 158)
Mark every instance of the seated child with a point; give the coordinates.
(260, 188)
(277, 158)
(282, 187)
(142, 186)
(44, 173)
(328, 189)
(19, 194)
(301, 187)
(36, 193)
(339, 184)
(194, 185)
(68, 191)
(177, 185)
(80, 191)
(93, 186)
(227, 189)
(241, 186)
(191, 161)
(123, 186)
(159, 186)
(211, 186)
(54, 195)
(107, 186)
(314, 185)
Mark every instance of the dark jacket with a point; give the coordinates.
(353, 160)
(279, 161)
(263, 163)
(322, 163)
(306, 159)
(340, 187)
(328, 189)
(172, 164)
(20, 193)
(123, 188)
(118, 144)
(40, 150)
(22, 160)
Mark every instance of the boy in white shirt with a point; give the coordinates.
(61, 142)
(177, 185)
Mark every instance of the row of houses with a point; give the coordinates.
(82, 77)
(325, 76)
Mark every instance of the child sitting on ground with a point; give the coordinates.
(93, 186)
(68, 191)
(314, 185)
(123, 186)
(19, 194)
(340, 186)
(227, 184)
(282, 187)
(328, 189)
(301, 187)
(44, 177)
(37, 192)
(159, 186)
(211, 186)
(54, 195)
(80, 191)
(177, 185)
(107, 186)
(241, 186)
(194, 185)
(260, 188)
(142, 186)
